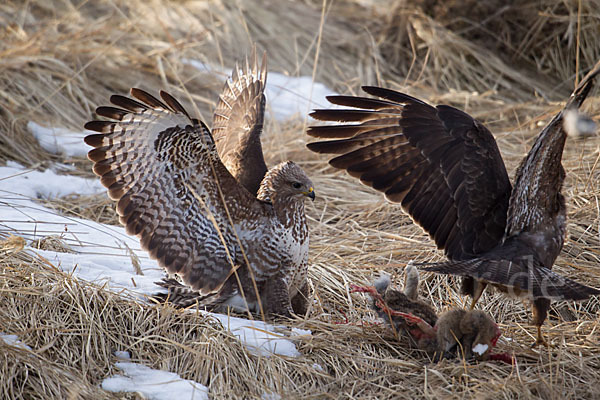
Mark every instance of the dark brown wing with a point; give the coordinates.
(163, 169)
(443, 166)
(238, 123)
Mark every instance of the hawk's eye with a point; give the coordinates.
(296, 185)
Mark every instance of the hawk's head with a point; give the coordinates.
(286, 181)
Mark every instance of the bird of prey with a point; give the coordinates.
(445, 169)
(204, 205)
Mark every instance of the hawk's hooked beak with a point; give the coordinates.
(310, 193)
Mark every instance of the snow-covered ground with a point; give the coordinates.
(153, 384)
(60, 140)
(13, 340)
(102, 253)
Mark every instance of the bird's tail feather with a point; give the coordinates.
(182, 296)
(459, 268)
(552, 285)
(524, 278)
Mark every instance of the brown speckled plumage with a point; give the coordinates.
(238, 123)
(445, 169)
(191, 213)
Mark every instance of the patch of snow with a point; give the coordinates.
(153, 384)
(204, 67)
(480, 348)
(289, 96)
(318, 367)
(122, 355)
(13, 340)
(270, 396)
(102, 252)
(60, 140)
(259, 337)
(300, 332)
(25, 182)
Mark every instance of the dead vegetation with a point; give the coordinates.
(509, 65)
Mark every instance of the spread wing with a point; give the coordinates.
(443, 166)
(540, 175)
(238, 123)
(172, 190)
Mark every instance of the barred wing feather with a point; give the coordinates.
(238, 122)
(173, 192)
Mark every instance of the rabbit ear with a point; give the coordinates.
(382, 283)
(411, 281)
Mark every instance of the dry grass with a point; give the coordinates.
(59, 60)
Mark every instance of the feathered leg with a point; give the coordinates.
(181, 296)
(276, 298)
(300, 300)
